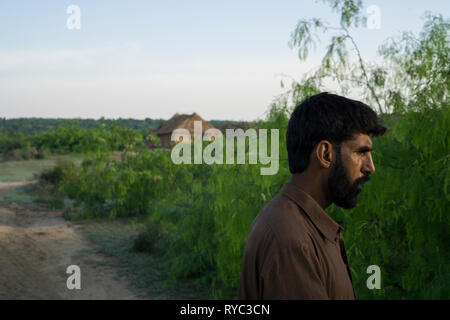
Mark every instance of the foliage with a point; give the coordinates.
(69, 137)
(422, 66)
(10, 141)
(24, 153)
(56, 174)
(72, 138)
(147, 240)
(32, 126)
(153, 141)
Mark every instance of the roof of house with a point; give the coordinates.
(182, 121)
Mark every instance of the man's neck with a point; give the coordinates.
(312, 185)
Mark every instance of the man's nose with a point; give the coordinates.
(369, 167)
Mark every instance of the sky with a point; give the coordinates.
(150, 59)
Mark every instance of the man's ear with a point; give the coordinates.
(324, 153)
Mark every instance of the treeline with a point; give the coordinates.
(70, 137)
(31, 126)
(23, 137)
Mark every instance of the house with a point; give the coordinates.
(234, 125)
(180, 121)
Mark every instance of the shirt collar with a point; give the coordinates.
(326, 225)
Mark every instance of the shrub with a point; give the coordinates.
(147, 240)
(55, 175)
(43, 154)
(25, 153)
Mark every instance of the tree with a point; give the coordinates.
(400, 223)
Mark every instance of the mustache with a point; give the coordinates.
(362, 180)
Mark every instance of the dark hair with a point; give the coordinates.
(327, 116)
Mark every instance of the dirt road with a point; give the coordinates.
(36, 247)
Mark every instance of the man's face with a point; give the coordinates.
(353, 167)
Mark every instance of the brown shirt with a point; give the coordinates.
(294, 250)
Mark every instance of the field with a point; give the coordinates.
(20, 170)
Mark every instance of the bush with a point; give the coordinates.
(147, 240)
(43, 154)
(12, 140)
(25, 153)
(55, 175)
(67, 215)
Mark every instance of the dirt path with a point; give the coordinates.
(36, 247)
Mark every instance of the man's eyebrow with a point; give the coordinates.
(364, 149)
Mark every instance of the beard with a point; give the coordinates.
(342, 190)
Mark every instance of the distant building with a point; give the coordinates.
(234, 125)
(180, 121)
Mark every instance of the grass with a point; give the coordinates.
(35, 196)
(28, 169)
(114, 239)
(21, 194)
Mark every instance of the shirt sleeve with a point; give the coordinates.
(292, 273)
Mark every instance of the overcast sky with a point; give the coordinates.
(139, 59)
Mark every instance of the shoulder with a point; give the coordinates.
(280, 224)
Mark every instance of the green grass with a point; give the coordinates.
(29, 169)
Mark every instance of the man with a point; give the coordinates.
(294, 250)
